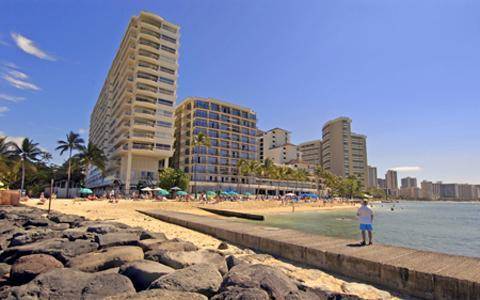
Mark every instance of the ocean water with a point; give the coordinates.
(448, 227)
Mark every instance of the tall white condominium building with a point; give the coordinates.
(133, 118)
(275, 145)
(372, 177)
(344, 153)
(311, 152)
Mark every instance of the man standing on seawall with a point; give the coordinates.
(365, 217)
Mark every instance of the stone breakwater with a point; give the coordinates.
(69, 257)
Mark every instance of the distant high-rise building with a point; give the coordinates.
(372, 177)
(344, 153)
(449, 191)
(409, 182)
(132, 121)
(311, 152)
(391, 180)
(232, 132)
(270, 139)
(430, 190)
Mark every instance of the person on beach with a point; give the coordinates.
(365, 217)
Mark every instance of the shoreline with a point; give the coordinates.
(125, 212)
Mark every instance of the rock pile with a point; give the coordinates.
(68, 257)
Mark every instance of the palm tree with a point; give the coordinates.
(92, 156)
(28, 152)
(5, 152)
(319, 174)
(200, 139)
(73, 142)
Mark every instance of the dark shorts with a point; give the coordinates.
(366, 227)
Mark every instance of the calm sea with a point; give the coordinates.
(446, 227)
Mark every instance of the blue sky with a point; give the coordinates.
(407, 72)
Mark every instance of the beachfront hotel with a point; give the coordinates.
(232, 132)
(311, 152)
(344, 153)
(274, 144)
(133, 118)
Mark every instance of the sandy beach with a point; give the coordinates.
(125, 212)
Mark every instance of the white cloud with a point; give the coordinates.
(82, 130)
(11, 98)
(407, 169)
(21, 84)
(11, 65)
(2, 134)
(3, 109)
(29, 47)
(18, 74)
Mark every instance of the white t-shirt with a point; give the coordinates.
(365, 215)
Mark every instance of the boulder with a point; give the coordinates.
(143, 272)
(4, 269)
(70, 219)
(233, 261)
(234, 293)
(79, 233)
(204, 279)
(160, 294)
(271, 280)
(175, 245)
(152, 235)
(61, 249)
(149, 244)
(33, 235)
(103, 228)
(182, 259)
(59, 226)
(39, 222)
(106, 259)
(28, 267)
(117, 239)
(72, 284)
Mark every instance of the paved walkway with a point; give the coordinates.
(422, 274)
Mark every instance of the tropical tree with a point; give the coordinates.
(28, 152)
(5, 153)
(168, 178)
(91, 156)
(248, 168)
(351, 186)
(73, 142)
(45, 156)
(319, 174)
(199, 140)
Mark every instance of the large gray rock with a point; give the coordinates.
(28, 267)
(62, 218)
(150, 244)
(33, 235)
(106, 259)
(117, 239)
(204, 279)
(235, 293)
(152, 235)
(160, 294)
(271, 280)
(173, 245)
(61, 249)
(79, 233)
(182, 259)
(72, 284)
(143, 272)
(39, 222)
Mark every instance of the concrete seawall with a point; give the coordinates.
(421, 274)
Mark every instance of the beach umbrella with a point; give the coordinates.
(146, 189)
(232, 193)
(156, 189)
(182, 193)
(163, 192)
(86, 191)
(290, 195)
(211, 194)
(175, 188)
(223, 193)
(248, 194)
